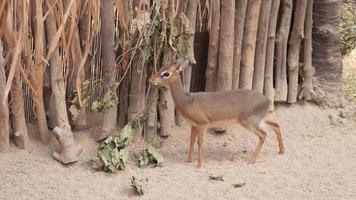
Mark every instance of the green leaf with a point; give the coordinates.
(137, 186)
(74, 111)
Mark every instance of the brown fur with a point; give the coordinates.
(205, 109)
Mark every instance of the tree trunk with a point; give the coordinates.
(166, 112)
(296, 37)
(260, 55)
(327, 55)
(18, 112)
(249, 44)
(124, 90)
(307, 89)
(240, 14)
(213, 53)
(56, 75)
(151, 123)
(190, 12)
(191, 15)
(4, 108)
(137, 91)
(271, 38)
(226, 47)
(37, 75)
(281, 50)
(108, 63)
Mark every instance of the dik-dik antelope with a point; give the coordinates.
(206, 109)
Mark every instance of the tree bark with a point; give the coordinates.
(37, 76)
(249, 44)
(271, 38)
(190, 12)
(327, 55)
(57, 75)
(108, 63)
(296, 37)
(137, 91)
(281, 50)
(18, 112)
(166, 112)
(151, 123)
(261, 45)
(4, 108)
(213, 53)
(226, 47)
(307, 90)
(240, 14)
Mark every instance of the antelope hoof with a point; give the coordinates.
(199, 166)
(281, 152)
(189, 160)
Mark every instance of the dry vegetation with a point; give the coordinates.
(349, 76)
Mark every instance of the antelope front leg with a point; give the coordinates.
(201, 132)
(193, 136)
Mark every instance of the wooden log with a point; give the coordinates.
(190, 12)
(261, 45)
(226, 46)
(108, 63)
(271, 38)
(37, 75)
(166, 112)
(18, 112)
(240, 14)
(249, 44)
(137, 91)
(307, 90)
(17, 101)
(57, 74)
(151, 123)
(191, 15)
(213, 53)
(296, 37)
(281, 50)
(4, 108)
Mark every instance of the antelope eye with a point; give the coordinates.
(165, 74)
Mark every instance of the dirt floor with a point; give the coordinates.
(319, 163)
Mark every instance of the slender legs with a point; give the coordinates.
(196, 132)
(193, 136)
(277, 130)
(201, 133)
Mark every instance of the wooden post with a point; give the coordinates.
(4, 108)
(249, 44)
(307, 89)
(271, 38)
(294, 49)
(240, 14)
(226, 47)
(213, 53)
(281, 50)
(260, 55)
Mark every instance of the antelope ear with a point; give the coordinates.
(180, 64)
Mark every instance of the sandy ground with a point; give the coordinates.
(319, 163)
